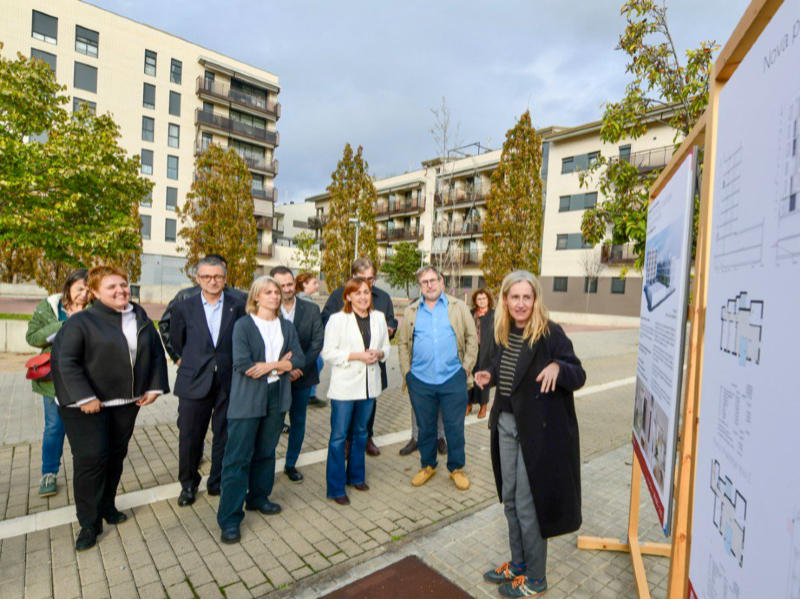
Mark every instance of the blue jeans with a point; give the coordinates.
(451, 397)
(53, 439)
(320, 364)
(355, 472)
(297, 420)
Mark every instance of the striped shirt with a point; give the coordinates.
(508, 368)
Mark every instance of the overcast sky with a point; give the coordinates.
(368, 72)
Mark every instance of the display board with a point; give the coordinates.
(661, 335)
(746, 513)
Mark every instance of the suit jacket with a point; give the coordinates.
(311, 333)
(191, 339)
(248, 398)
(381, 301)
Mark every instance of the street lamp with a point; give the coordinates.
(354, 221)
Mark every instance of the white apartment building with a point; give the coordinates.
(170, 98)
(291, 219)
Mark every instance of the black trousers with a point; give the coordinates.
(194, 417)
(99, 443)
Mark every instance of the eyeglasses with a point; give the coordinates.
(207, 278)
(428, 282)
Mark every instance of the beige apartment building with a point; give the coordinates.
(442, 207)
(170, 97)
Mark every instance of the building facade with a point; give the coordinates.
(171, 99)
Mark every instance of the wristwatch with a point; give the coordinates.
(274, 372)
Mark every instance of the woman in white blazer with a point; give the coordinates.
(356, 339)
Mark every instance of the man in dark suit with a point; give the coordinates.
(201, 337)
(365, 268)
(308, 324)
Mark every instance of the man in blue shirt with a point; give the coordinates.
(201, 335)
(438, 346)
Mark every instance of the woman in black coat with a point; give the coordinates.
(534, 432)
(107, 362)
(483, 314)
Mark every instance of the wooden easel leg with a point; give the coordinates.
(632, 546)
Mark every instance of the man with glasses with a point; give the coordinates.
(381, 301)
(438, 346)
(201, 335)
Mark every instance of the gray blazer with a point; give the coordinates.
(248, 395)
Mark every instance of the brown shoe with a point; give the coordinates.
(469, 409)
(410, 447)
(372, 448)
(422, 477)
(361, 487)
(482, 411)
(441, 446)
(343, 500)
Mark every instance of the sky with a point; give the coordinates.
(369, 72)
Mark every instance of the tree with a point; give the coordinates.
(217, 216)
(353, 195)
(592, 266)
(307, 253)
(512, 230)
(69, 192)
(16, 263)
(401, 269)
(660, 81)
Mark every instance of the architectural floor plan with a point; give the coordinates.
(742, 322)
(787, 246)
(730, 512)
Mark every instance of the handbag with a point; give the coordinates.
(39, 368)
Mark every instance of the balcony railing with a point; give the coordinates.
(466, 258)
(617, 254)
(264, 222)
(456, 228)
(225, 124)
(254, 162)
(399, 206)
(318, 222)
(226, 92)
(462, 195)
(400, 233)
(278, 228)
(264, 249)
(263, 208)
(648, 160)
(267, 193)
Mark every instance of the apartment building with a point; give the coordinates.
(291, 219)
(171, 99)
(442, 207)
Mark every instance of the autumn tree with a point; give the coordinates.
(665, 88)
(69, 193)
(512, 229)
(217, 216)
(306, 257)
(352, 195)
(401, 269)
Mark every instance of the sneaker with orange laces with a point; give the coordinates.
(504, 573)
(523, 587)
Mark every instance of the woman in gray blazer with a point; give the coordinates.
(265, 350)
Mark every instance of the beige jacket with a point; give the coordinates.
(463, 325)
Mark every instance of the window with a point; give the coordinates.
(577, 202)
(78, 103)
(149, 98)
(145, 226)
(592, 158)
(147, 201)
(85, 77)
(172, 198)
(86, 41)
(590, 200)
(206, 141)
(50, 59)
(590, 285)
(176, 71)
(258, 182)
(248, 119)
(625, 153)
(563, 203)
(170, 229)
(561, 241)
(559, 284)
(617, 285)
(45, 28)
(147, 162)
(175, 104)
(545, 158)
(568, 165)
(208, 107)
(172, 167)
(174, 136)
(149, 63)
(148, 129)
(209, 76)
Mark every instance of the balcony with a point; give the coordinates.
(400, 234)
(267, 193)
(224, 91)
(278, 228)
(464, 258)
(648, 160)
(617, 254)
(227, 125)
(264, 249)
(462, 195)
(264, 222)
(254, 162)
(263, 207)
(405, 205)
(318, 222)
(458, 228)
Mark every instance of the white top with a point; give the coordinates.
(343, 337)
(273, 340)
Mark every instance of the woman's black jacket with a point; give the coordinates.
(90, 357)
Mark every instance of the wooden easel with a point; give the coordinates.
(704, 133)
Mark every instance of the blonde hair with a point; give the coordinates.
(536, 327)
(255, 291)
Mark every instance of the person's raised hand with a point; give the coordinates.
(548, 377)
